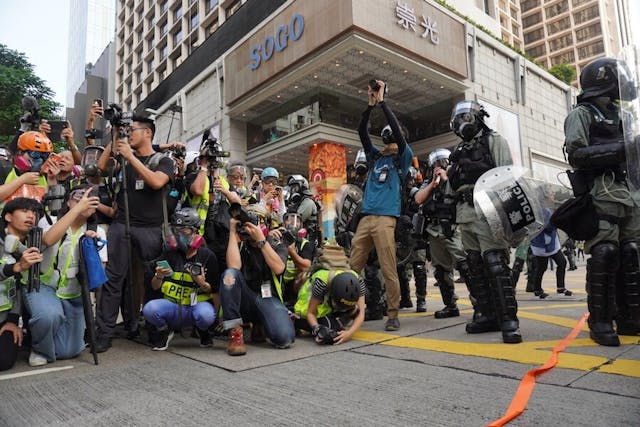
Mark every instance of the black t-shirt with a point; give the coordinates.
(145, 204)
(255, 269)
(307, 252)
(204, 256)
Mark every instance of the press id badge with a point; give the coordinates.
(139, 184)
(194, 298)
(384, 172)
(265, 289)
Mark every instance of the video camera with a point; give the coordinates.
(211, 149)
(117, 117)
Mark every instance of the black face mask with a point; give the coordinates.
(468, 131)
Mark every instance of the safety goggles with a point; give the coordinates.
(44, 155)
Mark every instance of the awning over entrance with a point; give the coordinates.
(330, 81)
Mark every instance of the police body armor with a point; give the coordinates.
(440, 208)
(604, 131)
(469, 161)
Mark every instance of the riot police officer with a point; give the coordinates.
(490, 284)
(439, 211)
(595, 146)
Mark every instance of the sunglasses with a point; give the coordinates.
(270, 181)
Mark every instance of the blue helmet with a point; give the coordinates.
(270, 172)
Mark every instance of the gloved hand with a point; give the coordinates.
(323, 335)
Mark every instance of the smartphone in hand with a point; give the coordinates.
(164, 264)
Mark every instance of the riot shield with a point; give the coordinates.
(348, 202)
(629, 110)
(512, 203)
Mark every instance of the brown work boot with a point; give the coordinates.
(235, 346)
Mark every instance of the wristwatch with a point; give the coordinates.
(261, 243)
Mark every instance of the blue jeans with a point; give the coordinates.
(56, 325)
(162, 313)
(238, 302)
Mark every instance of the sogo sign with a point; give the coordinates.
(270, 45)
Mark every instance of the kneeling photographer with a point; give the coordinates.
(251, 289)
(187, 276)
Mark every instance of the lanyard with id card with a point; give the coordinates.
(265, 289)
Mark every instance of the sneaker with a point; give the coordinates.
(205, 338)
(392, 324)
(541, 294)
(567, 292)
(421, 306)
(36, 359)
(236, 346)
(163, 342)
(406, 304)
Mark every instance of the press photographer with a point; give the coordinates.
(210, 194)
(140, 213)
(251, 290)
(187, 276)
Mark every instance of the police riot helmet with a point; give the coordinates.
(299, 180)
(607, 77)
(186, 217)
(439, 156)
(360, 164)
(467, 119)
(345, 290)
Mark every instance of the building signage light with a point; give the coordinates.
(407, 19)
(264, 51)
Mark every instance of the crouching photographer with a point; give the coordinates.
(187, 276)
(251, 288)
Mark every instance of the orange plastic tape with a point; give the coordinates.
(523, 393)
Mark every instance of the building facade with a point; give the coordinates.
(283, 83)
(91, 29)
(574, 32)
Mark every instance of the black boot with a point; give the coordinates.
(449, 297)
(628, 291)
(420, 277)
(405, 291)
(530, 272)
(374, 298)
(484, 313)
(496, 262)
(601, 277)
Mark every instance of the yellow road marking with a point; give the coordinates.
(532, 353)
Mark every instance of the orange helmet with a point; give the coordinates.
(34, 141)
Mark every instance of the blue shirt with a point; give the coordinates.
(383, 198)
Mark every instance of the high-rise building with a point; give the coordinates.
(574, 32)
(155, 37)
(91, 29)
(500, 17)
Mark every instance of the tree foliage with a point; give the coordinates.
(564, 72)
(18, 79)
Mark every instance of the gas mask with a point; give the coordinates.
(466, 126)
(179, 241)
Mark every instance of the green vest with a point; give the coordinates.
(201, 203)
(291, 270)
(304, 294)
(178, 288)
(56, 275)
(7, 286)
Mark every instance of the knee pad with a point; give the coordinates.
(606, 255)
(419, 270)
(629, 254)
(496, 262)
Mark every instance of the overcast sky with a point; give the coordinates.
(39, 28)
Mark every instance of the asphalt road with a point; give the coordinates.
(428, 373)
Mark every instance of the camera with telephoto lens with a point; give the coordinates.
(193, 268)
(236, 211)
(211, 149)
(117, 117)
(288, 237)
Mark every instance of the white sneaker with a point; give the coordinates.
(36, 359)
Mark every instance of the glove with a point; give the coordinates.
(323, 335)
